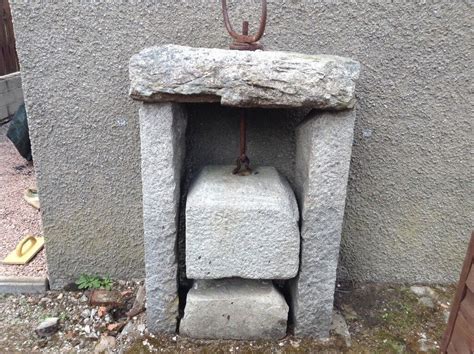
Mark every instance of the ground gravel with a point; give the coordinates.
(17, 218)
(380, 319)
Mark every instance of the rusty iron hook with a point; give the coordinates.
(244, 37)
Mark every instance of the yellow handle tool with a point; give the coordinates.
(19, 249)
(25, 251)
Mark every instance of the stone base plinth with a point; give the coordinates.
(234, 309)
(241, 226)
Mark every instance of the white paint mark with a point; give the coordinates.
(367, 133)
(122, 121)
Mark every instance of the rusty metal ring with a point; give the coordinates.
(242, 38)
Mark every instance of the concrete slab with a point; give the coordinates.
(241, 226)
(234, 309)
(23, 285)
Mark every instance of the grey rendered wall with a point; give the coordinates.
(409, 199)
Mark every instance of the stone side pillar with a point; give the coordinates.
(162, 132)
(324, 145)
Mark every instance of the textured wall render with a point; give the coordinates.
(408, 207)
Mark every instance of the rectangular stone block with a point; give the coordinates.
(324, 146)
(241, 226)
(234, 309)
(11, 94)
(162, 132)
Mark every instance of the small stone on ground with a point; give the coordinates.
(339, 327)
(106, 298)
(105, 345)
(424, 291)
(426, 301)
(48, 327)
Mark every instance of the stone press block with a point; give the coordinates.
(240, 226)
(234, 309)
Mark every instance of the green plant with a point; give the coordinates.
(107, 283)
(94, 282)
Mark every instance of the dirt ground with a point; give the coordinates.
(17, 218)
(380, 319)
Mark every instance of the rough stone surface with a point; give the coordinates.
(106, 345)
(241, 226)
(162, 131)
(234, 309)
(243, 78)
(324, 145)
(48, 327)
(426, 301)
(100, 297)
(409, 207)
(340, 328)
(424, 291)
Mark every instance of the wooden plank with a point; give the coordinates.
(467, 306)
(12, 56)
(8, 55)
(450, 334)
(451, 349)
(459, 341)
(3, 40)
(470, 279)
(466, 330)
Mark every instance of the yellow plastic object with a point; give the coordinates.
(31, 197)
(25, 250)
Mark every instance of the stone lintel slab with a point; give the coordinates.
(324, 146)
(243, 78)
(234, 309)
(162, 133)
(240, 226)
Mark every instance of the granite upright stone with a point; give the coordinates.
(162, 132)
(324, 145)
(240, 226)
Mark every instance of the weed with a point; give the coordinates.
(94, 282)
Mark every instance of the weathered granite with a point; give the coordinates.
(324, 145)
(241, 78)
(234, 309)
(162, 132)
(241, 226)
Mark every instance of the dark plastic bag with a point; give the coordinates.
(18, 133)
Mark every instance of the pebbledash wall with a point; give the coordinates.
(409, 198)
